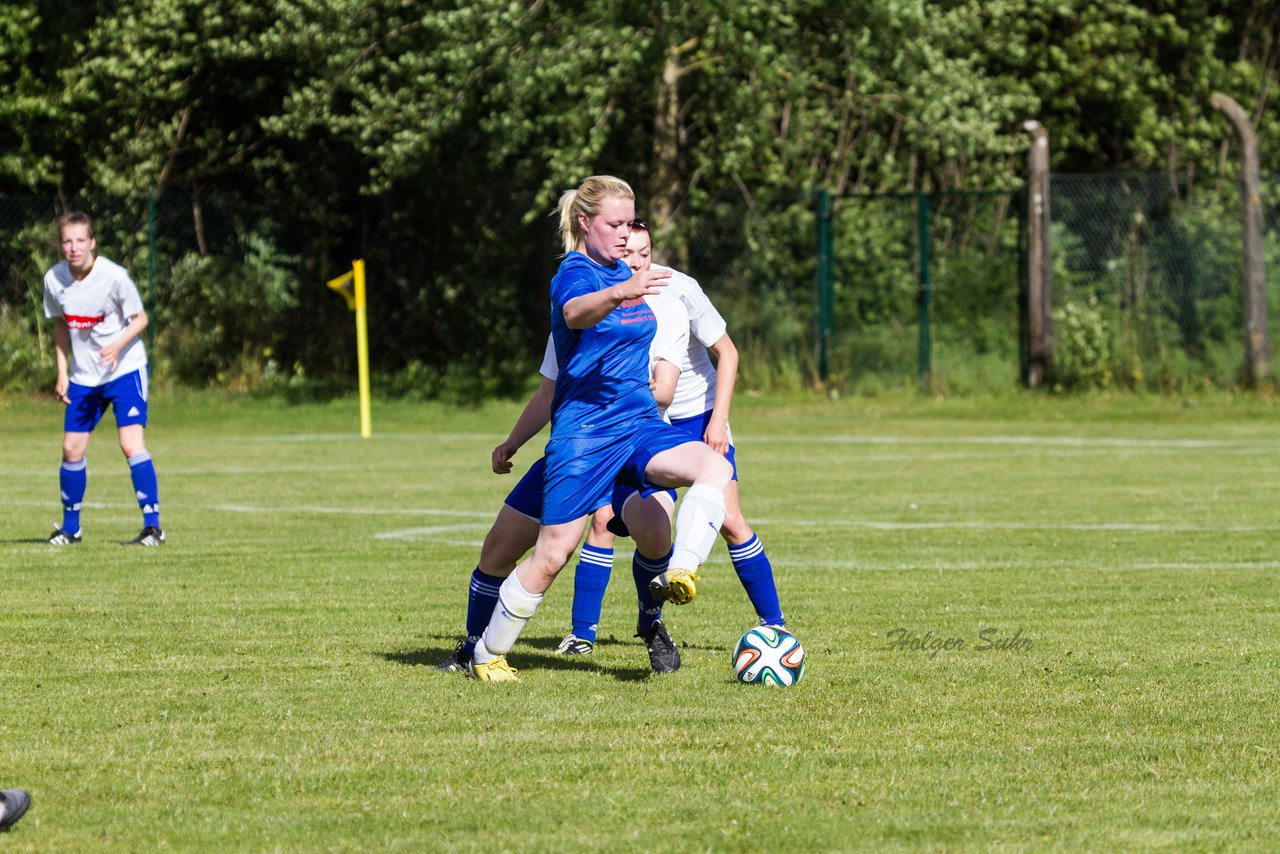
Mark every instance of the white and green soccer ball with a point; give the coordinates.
(768, 656)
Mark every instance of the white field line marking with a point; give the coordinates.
(351, 511)
(275, 510)
(420, 533)
(949, 566)
(355, 438)
(179, 471)
(1033, 441)
(1152, 527)
(838, 438)
(871, 524)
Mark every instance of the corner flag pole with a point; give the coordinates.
(351, 287)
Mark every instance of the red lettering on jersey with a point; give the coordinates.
(75, 321)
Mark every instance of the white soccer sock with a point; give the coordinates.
(515, 606)
(697, 526)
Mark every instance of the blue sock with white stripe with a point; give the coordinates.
(590, 579)
(73, 478)
(482, 598)
(644, 570)
(756, 574)
(143, 473)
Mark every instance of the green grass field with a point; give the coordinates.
(264, 682)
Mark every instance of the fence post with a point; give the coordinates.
(151, 273)
(1039, 260)
(926, 287)
(826, 280)
(1254, 296)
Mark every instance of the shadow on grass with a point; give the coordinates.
(535, 653)
(21, 540)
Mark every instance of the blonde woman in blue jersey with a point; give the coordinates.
(700, 406)
(515, 531)
(604, 418)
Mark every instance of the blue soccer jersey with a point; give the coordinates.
(603, 412)
(603, 386)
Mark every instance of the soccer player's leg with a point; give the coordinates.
(73, 479)
(82, 415)
(128, 396)
(750, 561)
(513, 533)
(590, 580)
(519, 598)
(649, 521)
(579, 478)
(700, 515)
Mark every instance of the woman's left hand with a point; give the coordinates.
(717, 436)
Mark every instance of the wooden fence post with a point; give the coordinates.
(1039, 261)
(1254, 295)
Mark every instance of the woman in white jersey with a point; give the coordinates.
(97, 320)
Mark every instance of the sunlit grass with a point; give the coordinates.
(264, 680)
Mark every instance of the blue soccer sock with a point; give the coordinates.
(644, 570)
(481, 601)
(756, 574)
(590, 579)
(73, 478)
(143, 472)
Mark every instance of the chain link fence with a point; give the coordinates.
(1147, 279)
(925, 288)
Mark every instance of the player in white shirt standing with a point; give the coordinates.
(97, 318)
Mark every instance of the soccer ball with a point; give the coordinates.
(768, 656)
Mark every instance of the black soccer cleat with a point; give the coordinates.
(150, 536)
(457, 661)
(60, 537)
(13, 805)
(663, 655)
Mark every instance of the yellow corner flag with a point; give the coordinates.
(351, 286)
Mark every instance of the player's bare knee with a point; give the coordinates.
(652, 543)
(131, 449)
(716, 471)
(495, 565)
(548, 559)
(600, 532)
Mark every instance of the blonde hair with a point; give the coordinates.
(587, 200)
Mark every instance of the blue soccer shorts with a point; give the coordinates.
(632, 480)
(526, 497)
(696, 426)
(126, 395)
(581, 470)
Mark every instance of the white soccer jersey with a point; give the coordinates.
(696, 390)
(670, 342)
(97, 309)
